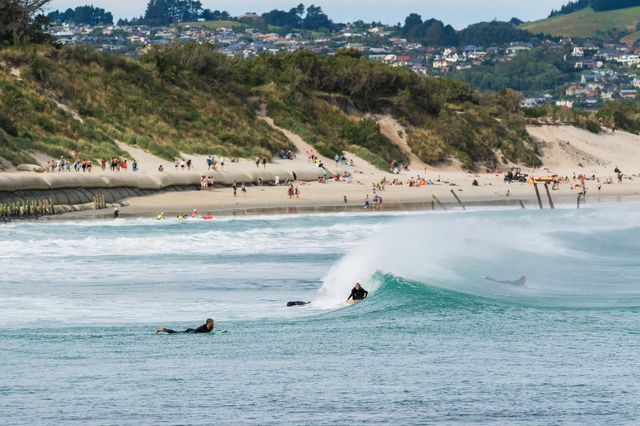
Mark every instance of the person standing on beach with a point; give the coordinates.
(243, 189)
(235, 188)
(209, 162)
(346, 201)
(264, 162)
(366, 202)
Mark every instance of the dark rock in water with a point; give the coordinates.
(290, 304)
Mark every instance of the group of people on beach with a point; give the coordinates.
(261, 160)
(396, 167)
(183, 164)
(117, 164)
(66, 165)
(234, 187)
(207, 183)
(293, 191)
(213, 162)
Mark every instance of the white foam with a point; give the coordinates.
(458, 252)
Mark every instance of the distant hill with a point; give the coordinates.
(587, 23)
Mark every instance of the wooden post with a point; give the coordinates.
(535, 185)
(439, 203)
(546, 187)
(459, 202)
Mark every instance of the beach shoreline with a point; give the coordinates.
(310, 208)
(577, 160)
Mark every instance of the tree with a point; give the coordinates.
(492, 33)
(572, 6)
(165, 12)
(89, 15)
(529, 72)
(431, 32)
(215, 15)
(605, 5)
(316, 19)
(18, 20)
(411, 25)
(280, 18)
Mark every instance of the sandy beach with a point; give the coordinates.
(567, 152)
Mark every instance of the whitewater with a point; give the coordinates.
(445, 335)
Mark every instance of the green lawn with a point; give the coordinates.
(588, 24)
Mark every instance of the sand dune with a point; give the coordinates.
(397, 134)
(568, 149)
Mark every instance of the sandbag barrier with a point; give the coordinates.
(35, 203)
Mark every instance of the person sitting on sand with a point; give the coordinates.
(358, 293)
(204, 328)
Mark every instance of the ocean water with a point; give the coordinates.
(435, 342)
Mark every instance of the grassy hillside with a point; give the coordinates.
(190, 98)
(320, 98)
(586, 23)
(119, 99)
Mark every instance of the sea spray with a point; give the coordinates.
(569, 258)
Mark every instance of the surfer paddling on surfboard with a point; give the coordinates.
(357, 294)
(204, 328)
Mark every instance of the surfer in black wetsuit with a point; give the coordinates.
(204, 328)
(358, 293)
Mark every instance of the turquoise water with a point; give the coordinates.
(436, 342)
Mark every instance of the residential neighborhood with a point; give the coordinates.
(604, 71)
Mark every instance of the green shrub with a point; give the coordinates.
(369, 156)
(8, 126)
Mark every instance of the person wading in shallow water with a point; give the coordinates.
(204, 328)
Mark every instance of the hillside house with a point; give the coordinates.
(576, 90)
(564, 103)
(628, 93)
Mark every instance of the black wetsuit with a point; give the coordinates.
(202, 329)
(358, 294)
